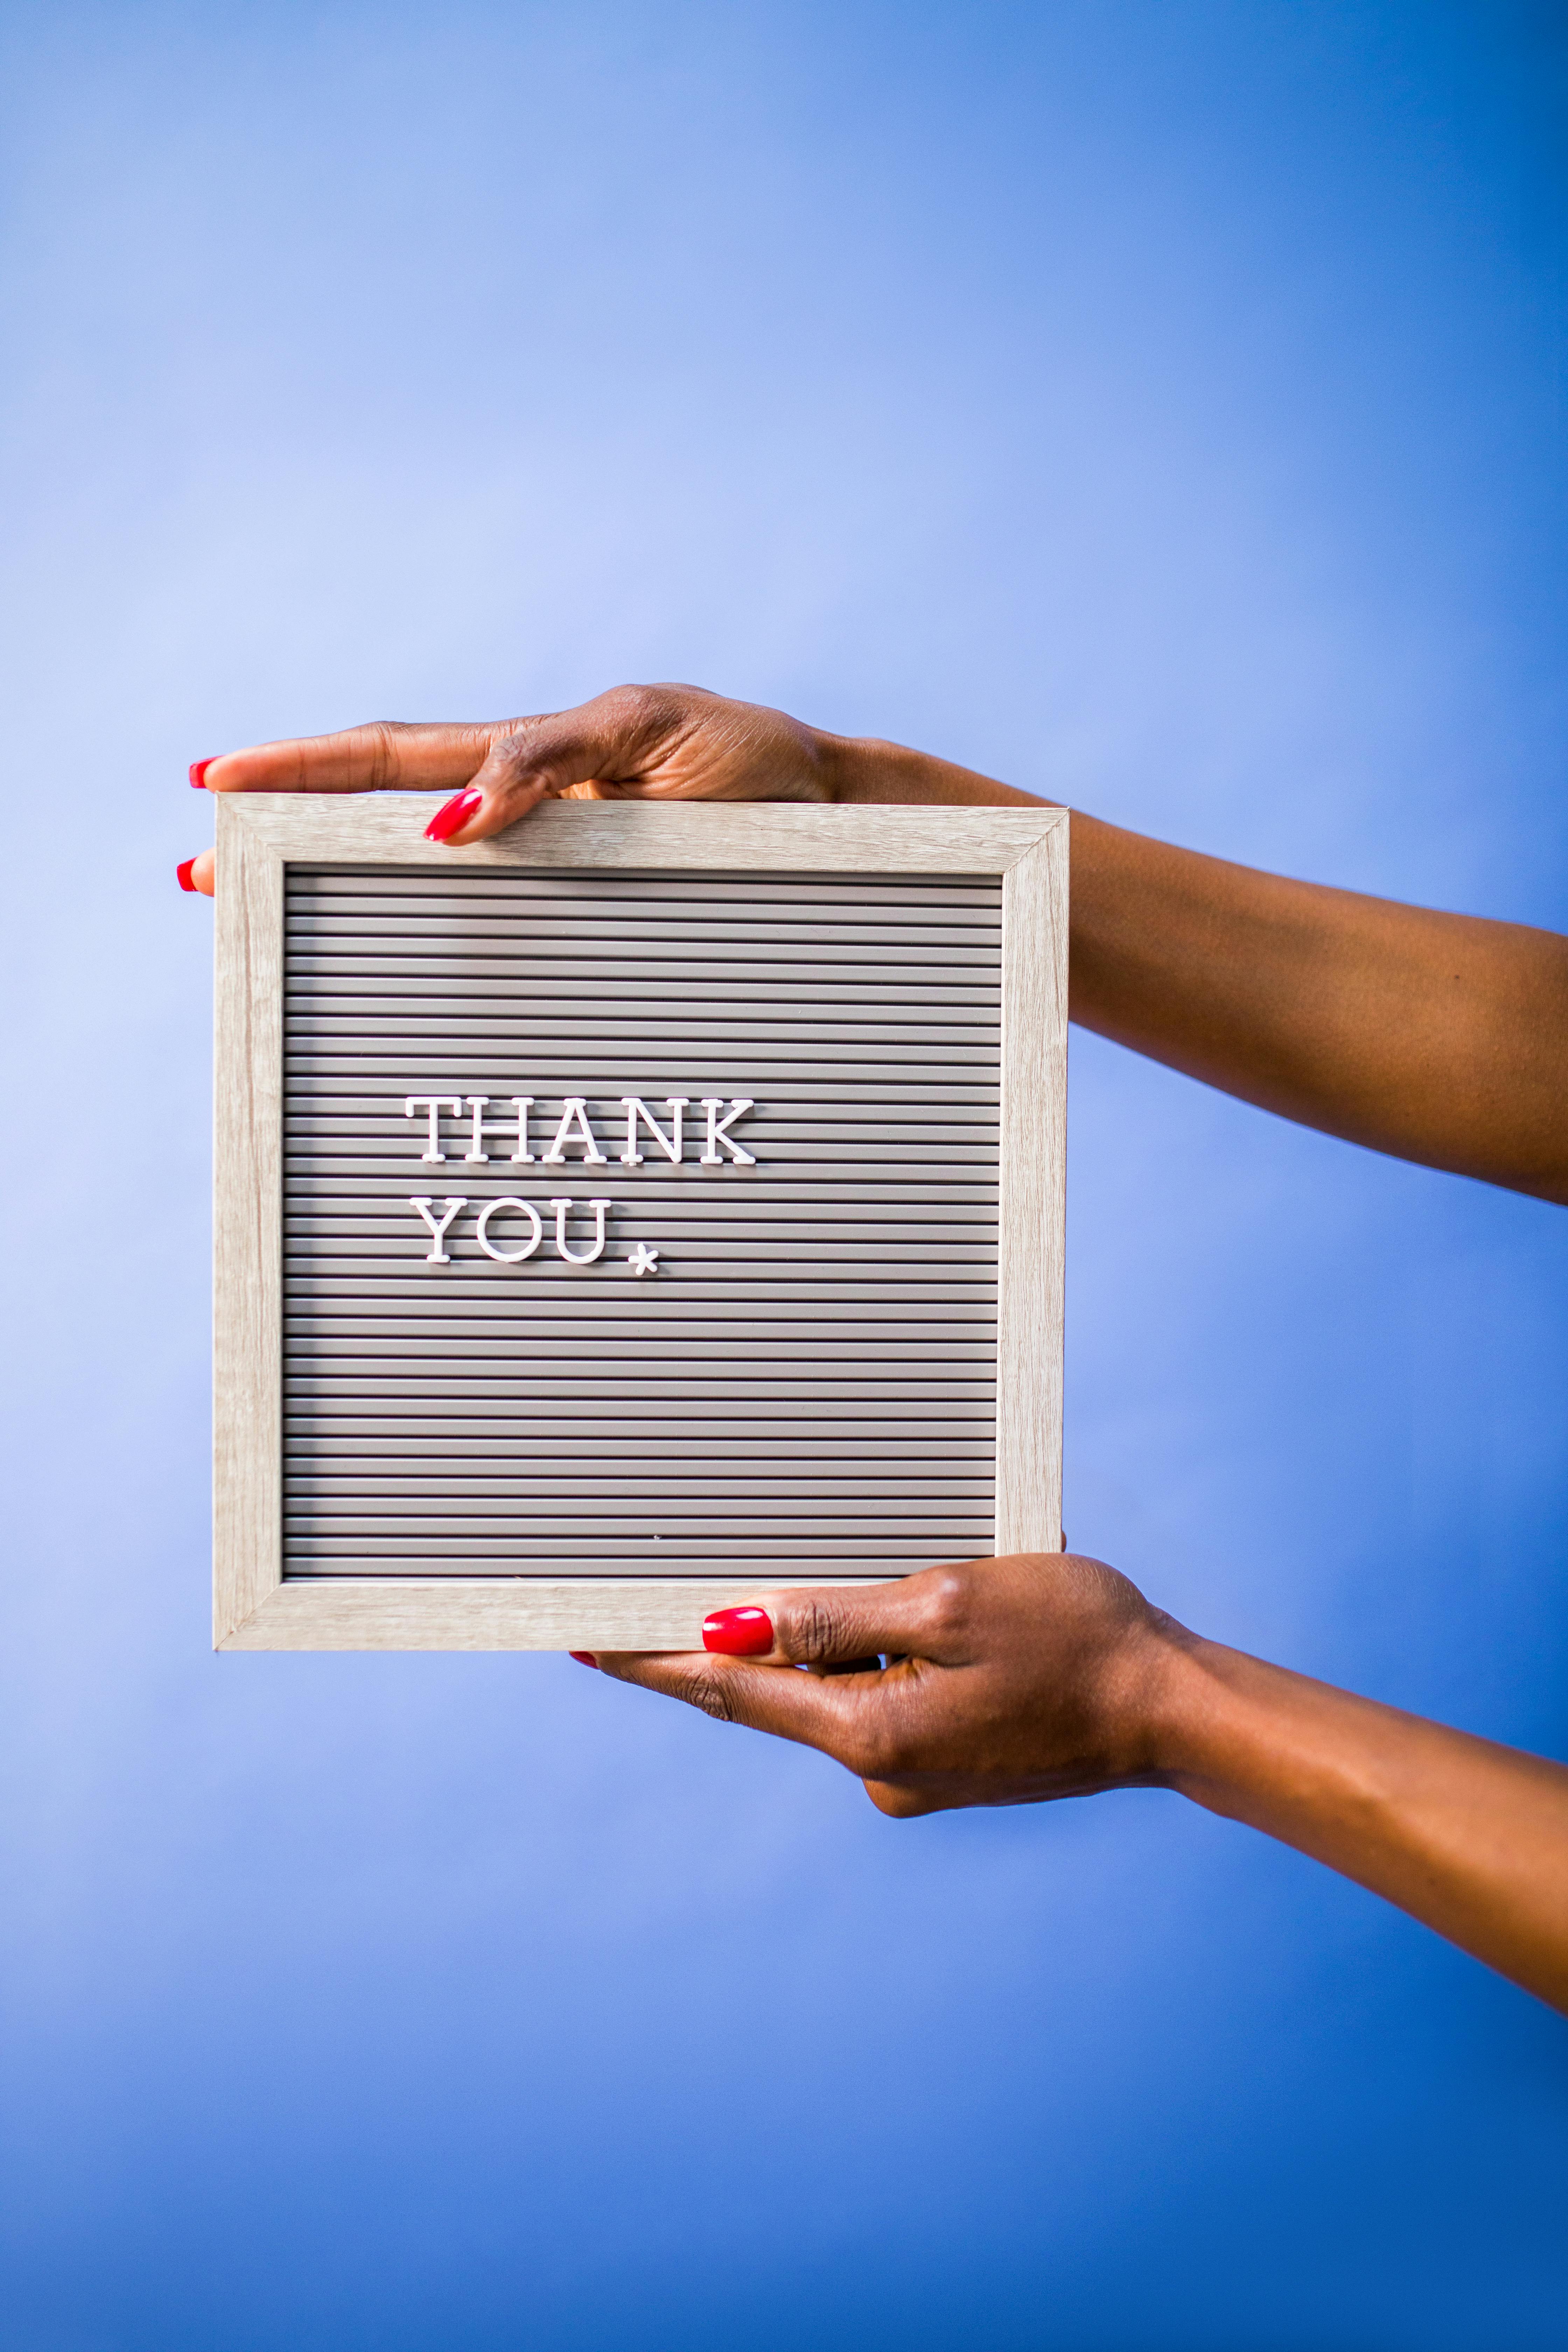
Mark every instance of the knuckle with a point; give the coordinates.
(642, 718)
(384, 741)
(814, 1630)
(712, 1693)
(946, 1608)
(634, 707)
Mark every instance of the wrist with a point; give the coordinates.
(1168, 1694)
(862, 769)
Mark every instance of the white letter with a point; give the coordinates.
(576, 1108)
(421, 1201)
(718, 1132)
(632, 1104)
(476, 1149)
(509, 1257)
(561, 1208)
(434, 1104)
(522, 1104)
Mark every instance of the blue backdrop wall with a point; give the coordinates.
(1157, 402)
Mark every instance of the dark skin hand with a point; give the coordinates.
(1438, 1038)
(1011, 1681)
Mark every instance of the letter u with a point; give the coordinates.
(579, 1258)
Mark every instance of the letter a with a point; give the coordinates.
(576, 1108)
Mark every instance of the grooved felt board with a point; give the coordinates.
(781, 1350)
(636, 1232)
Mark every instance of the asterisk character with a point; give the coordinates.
(643, 1260)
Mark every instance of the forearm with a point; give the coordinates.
(1439, 1038)
(1468, 1836)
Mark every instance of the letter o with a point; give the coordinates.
(509, 1257)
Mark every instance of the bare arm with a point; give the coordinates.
(1468, 1836)
(1441, 1039)
(1016, 1681)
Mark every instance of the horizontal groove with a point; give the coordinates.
(332, 1376)
(697, 1031)
(538, 915)
(971, 1195)
(854, 1174)
(565, 951)
(673, 881)
(669, 1565)
(974, 1094)
(653, 1518)
(617, 1355)
(970, 1095)
(654, 1441)
(628, 935)
(772, 1140)
(632, 999)
(966, 1432)
(497, 899)
(680, 1293)
(736, 1546)
(653, 1487)
(323, 1243)
(320, 1110)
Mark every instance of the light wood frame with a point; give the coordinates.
(258, 835)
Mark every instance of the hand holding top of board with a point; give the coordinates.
(635, 742)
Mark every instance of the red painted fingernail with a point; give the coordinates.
(454, 814)
(739, 1633)
(585, 1658)
(199, 770)
(184, 874)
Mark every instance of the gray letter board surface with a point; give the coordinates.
(650, 1206)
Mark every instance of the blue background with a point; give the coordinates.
(1158, 405)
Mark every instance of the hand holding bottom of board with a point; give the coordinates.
(1008, 1681)
(1020, 1680)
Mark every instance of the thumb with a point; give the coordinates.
(834, 1626)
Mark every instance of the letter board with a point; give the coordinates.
(648, 1207)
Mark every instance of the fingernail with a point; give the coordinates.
(585, 1658)
(199, 770)
(184, 874)
(454, 814)
(739, 1633)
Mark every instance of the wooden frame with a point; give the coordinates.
(259, 835)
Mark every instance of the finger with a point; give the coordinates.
(198, 874)
(848, 1717)
(387, 756)
(919, 1616)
